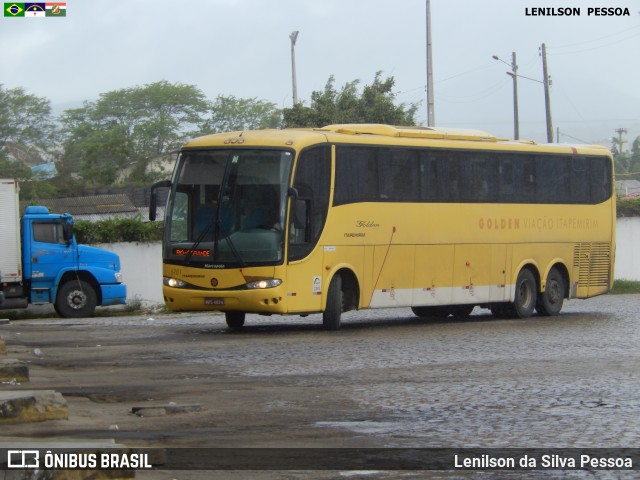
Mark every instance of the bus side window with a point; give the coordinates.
(600, 180)
(527, 186)
(552, 179)
(579, 180)
(428, 176)
(309, 206)
(398, 175)
(506, 180)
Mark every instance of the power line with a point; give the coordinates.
(574, 138)
(571, 45)
(476, 96)
(465, 73)
(596, 47)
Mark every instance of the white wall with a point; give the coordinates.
(628, 249)
(141, 266)
(142, 262)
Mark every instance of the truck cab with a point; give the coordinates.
(55, 269)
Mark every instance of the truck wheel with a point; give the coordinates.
(76, 299)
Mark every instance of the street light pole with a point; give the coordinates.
(547, 98)
(294, 37)
(514, 76)
(516, 121)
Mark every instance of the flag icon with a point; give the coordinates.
(34, 10)
(56, 9)
(14, 9)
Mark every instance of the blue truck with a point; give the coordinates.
(41, 262)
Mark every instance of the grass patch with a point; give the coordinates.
(625, 286)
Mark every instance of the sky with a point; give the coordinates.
(242, 48)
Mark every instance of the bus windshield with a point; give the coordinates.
(228, 206)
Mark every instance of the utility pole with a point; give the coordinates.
(431, 121)
(294, 37)
(516, 121)
(547, 98)
(620, 131)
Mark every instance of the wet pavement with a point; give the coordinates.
(387, 379)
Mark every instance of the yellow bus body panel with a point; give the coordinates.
(409, 254)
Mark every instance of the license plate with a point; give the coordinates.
(214, 301)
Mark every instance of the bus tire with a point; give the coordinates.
(235, 320)
(550, 301)
(461, 311)
(333, 310)
(76, 299)
(431, 312)
(525, 296)
(501, 310)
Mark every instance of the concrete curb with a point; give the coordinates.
(28, 406)
(12, 370)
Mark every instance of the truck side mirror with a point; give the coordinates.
(153, 201)
(67, 232)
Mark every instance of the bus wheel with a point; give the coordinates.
(333, 310)
(501, 310)
(76, 299)
(525, 299)
(430, 312)
(235, 320)
(550, 301)
(461, 311)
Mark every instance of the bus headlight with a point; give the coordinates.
(118, 276)
(266, 283)
(173, 282)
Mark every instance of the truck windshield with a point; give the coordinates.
(229, 207)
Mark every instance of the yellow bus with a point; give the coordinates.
(346, 217)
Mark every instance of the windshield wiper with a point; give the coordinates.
(232, 247)
(198, 241)
(235, 252)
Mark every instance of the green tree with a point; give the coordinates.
(622, 160)
(634, 161)
(374, 104)
(94, 149)
(129, 126)
(228, 113)
(26, 123)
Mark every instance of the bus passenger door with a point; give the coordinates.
(308, 208)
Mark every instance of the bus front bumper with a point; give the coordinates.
(268, 300)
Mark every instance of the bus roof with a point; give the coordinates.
(380, 134)
(411, 132)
